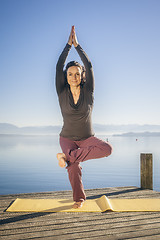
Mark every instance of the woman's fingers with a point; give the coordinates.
(73, 29)
(73, 37)
(75, 42)
(70, 40)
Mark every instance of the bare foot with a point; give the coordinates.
(78, 204)
(62, 159)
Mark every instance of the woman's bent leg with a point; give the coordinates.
(90, 148)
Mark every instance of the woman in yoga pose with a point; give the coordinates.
(75, 88)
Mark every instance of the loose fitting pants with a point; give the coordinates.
(80, 151)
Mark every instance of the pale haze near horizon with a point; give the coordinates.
(121, 39)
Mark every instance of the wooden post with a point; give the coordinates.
(146, 171)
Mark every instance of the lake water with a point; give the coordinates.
(29, 164)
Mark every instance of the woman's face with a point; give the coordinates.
(74, 76)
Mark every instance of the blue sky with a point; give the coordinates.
(121, 37)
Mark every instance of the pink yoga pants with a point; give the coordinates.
(80, 151)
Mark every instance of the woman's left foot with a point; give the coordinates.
(78, 204)
(62, 159)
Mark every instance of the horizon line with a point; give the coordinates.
(102, 124)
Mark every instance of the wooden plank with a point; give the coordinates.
(111, 225)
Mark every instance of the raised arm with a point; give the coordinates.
(87, 63)
(88, 67)
(60, 79)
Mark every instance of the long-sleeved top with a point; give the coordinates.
(77, 122)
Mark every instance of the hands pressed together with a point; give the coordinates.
(72, 38)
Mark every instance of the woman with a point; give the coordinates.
(75, 87)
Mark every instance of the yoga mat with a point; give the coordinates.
(101, 204)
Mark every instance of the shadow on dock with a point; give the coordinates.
(115, 193)
(24, 217)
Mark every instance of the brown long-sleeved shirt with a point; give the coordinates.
(77, 123)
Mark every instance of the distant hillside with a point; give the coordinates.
(116, 130)
(139, 134)
(126, 128)
(6, 128)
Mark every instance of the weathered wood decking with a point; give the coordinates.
(59, 226)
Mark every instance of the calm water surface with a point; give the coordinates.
(29, 164)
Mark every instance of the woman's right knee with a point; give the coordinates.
(109, 150)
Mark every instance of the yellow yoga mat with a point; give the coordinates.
(101, 204)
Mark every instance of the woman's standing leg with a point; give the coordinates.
(74, 170)
(75, 177)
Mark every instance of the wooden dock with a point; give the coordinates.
(59, 226)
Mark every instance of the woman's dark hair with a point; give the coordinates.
(74, 63)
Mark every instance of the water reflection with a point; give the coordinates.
(29, 164)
